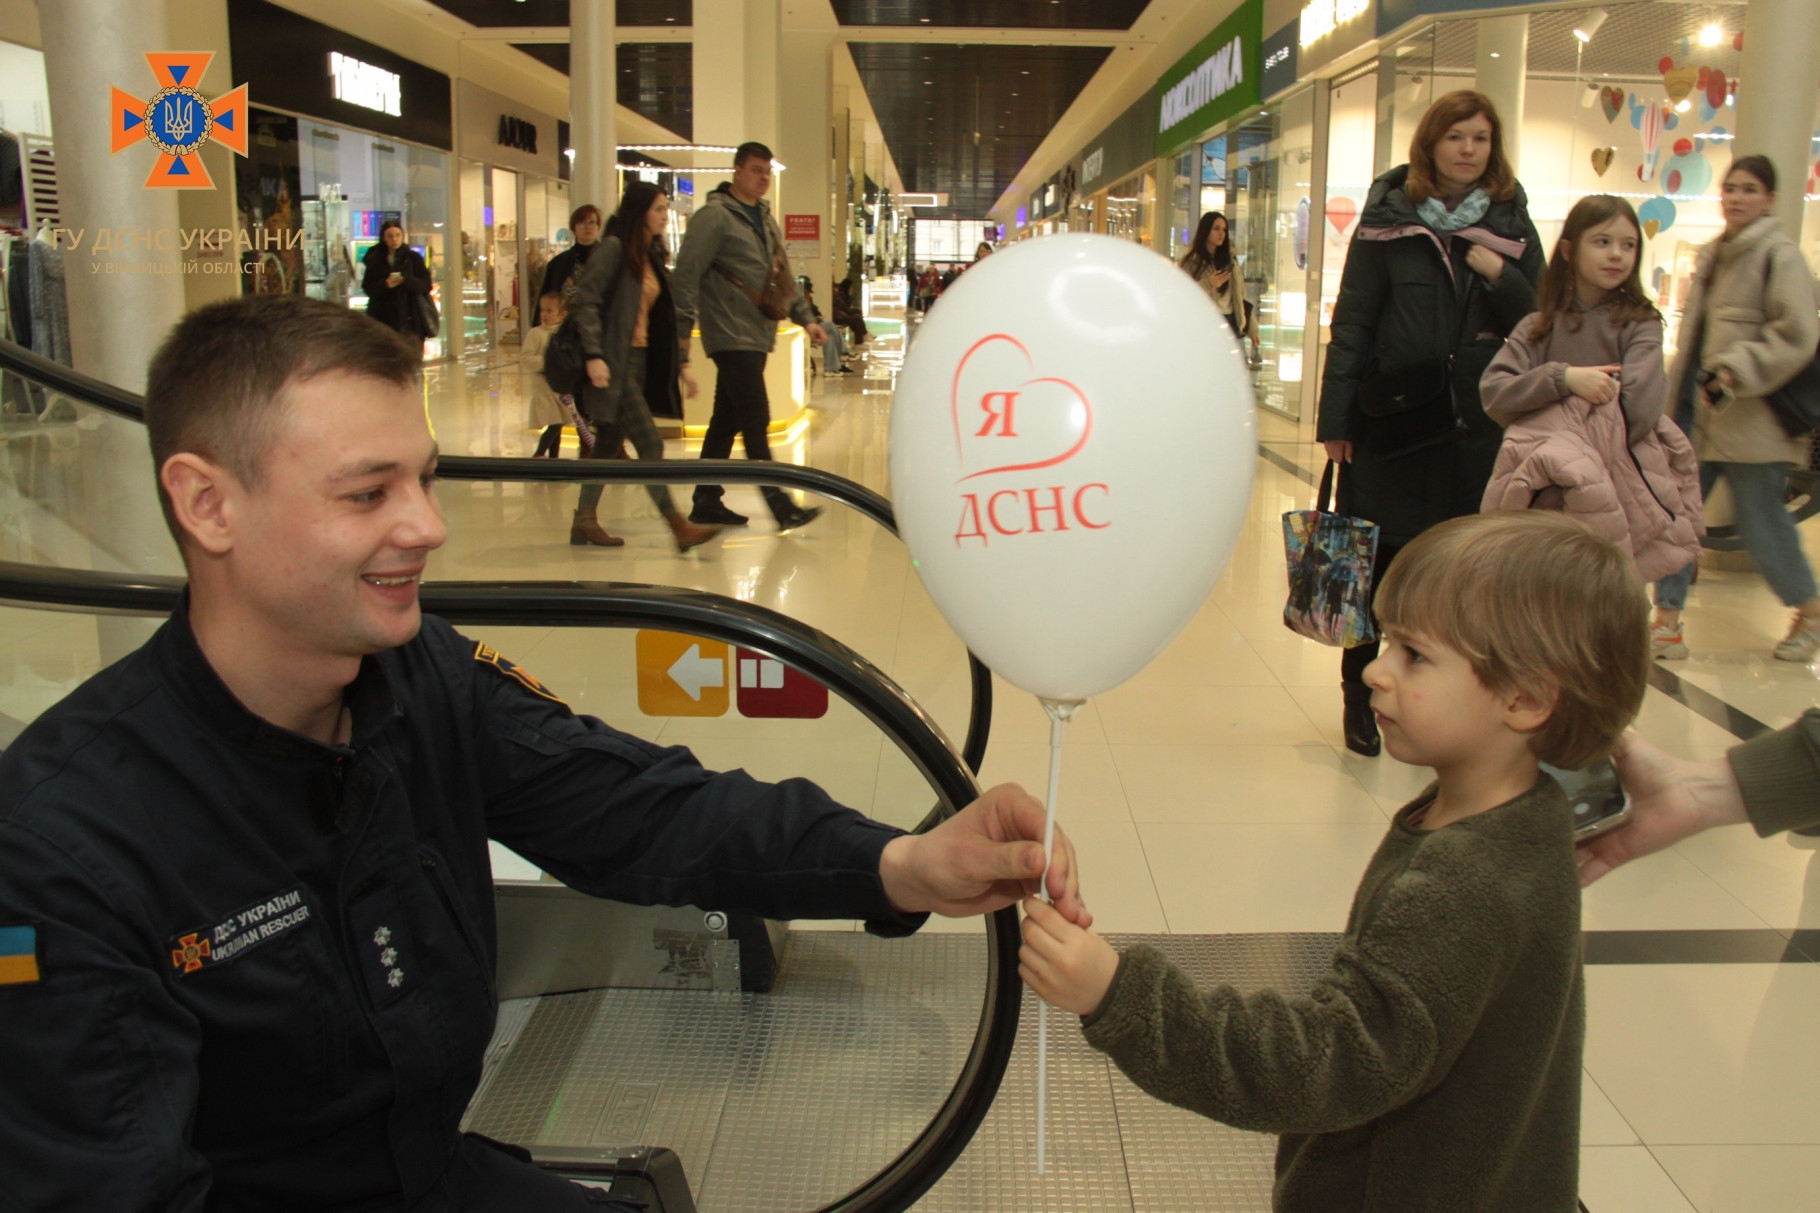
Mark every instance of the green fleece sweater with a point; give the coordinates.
(1779, 774)
(1436, 1067)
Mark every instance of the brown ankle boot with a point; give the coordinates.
(689, 534)
(586, 529)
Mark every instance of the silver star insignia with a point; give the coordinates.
(395, 978)
(382, 936)
(389, 957)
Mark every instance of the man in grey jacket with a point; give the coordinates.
(726, 258)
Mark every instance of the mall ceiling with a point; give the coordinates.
(959, 120)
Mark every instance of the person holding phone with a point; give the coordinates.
(393, 276)
(1216, 271)
(1749, 327)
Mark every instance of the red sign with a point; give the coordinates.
(770, 689)
(802, 227)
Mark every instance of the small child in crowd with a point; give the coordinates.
(545, 409)
(1580, 390)
(1436, 1066)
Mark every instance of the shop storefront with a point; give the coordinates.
(1118, 178)
(514, 215)
(334, 154)
(1633, 99)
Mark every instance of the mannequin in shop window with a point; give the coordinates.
(393, 275)
(1210, 263)
(1444, 263)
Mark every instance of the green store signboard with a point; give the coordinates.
(1215, 80)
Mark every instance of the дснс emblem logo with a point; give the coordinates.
(179, 121)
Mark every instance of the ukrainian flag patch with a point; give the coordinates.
(18, 954)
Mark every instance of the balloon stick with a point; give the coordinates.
(1060, 713)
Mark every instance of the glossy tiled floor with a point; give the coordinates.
(1211, 794)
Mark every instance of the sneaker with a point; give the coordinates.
(797, 517)
(716, 515)
(1803, 640)
(1665, 643)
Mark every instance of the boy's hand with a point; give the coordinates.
(1068, 966)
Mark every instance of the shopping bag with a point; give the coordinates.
(1330, 558)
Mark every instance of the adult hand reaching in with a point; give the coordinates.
(984, 858)
(1670, 798)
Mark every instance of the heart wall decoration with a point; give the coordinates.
(1602, 158)
(1611, 100)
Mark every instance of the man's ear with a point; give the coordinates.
(1527, 710)
(204, 496)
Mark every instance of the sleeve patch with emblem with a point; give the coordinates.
(19, 954)
(486, 654)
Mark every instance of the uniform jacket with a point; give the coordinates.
(1407, 297)
(721, 235)
(606, 314)
(1761, 338)
(393, 306)
(1436, 1067)
(267, 963)
(1578, 457)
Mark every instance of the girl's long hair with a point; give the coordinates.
(1498, 180)
(1198, 258)
(1559, 291)
(628, 224)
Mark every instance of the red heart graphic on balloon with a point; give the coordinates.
(1014, 421)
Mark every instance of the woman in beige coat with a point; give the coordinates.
(1750, 325)
(1210, 262)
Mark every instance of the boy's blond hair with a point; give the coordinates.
(1536, 602)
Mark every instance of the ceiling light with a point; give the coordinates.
(1589, 26)
(1496, 55)
(1682, 106)
(1711, 34)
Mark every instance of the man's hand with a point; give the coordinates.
(817, 335)
(984, 858)
(1068, 966)
(597, 372)
(1671, 799)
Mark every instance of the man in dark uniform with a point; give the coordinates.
(245, 898)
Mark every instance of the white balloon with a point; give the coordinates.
(1072, 445)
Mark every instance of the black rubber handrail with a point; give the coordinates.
(122, 403)
(714, 617)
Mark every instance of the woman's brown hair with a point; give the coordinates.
(1559, 289)
(628, 226)
(1498, 180)
(583, 213)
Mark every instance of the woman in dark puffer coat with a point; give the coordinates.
(1443, 265)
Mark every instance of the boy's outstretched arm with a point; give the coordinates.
(1380, 1027)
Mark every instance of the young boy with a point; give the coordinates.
(1436, 1066)
(545, 409)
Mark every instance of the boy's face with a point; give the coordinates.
(1432, 709)
(550, 311)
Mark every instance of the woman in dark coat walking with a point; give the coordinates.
(563, 272)
(635, 355)
(1443, 265)
(393, 277)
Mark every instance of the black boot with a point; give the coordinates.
(1360, 725)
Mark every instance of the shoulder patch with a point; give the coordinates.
(486, 654)
(19, 954)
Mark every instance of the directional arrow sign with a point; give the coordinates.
(692, 672)
(681, 675)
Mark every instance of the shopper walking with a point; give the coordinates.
(1209, 261)
(626, 317)
(732, 268)
(1581, 391)
(565, 267)
(394, 277)
(1749, 326)
(1443, 265)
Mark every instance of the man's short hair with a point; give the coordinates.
(1536, 602)
(747, 151)
(216, 384)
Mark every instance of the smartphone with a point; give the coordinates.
(1599, 800)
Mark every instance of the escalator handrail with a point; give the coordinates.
(715, 617)
(122, 403)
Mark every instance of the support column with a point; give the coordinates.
(720, 83)
(1779, 75)
(593, 98)
(805, 143)
(117, 318)
(763, 50)
(1502, 72)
